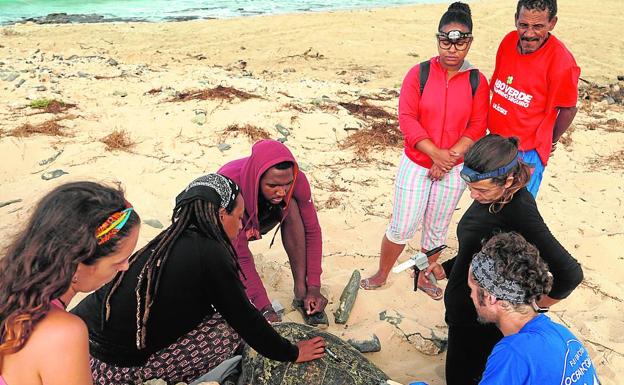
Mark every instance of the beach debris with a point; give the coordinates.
(392, 318)
(282, 130)
(121, 94)
(343, 364)
(154, 91)
(424, 339)
(50, 159)
(49, 127)
(199, 118)
(155, 223)
(347, 299)
(217, 93)
(615, 161)
(53, 174)
(118, 140)
(252, 132)
(380, 135)
(19, 83)
(282, 140)
(307, 54)
(12, 201)
(591, 92)
(224, 147)
(369, 345)
(51, 106)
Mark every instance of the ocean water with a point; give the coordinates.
(162, 10)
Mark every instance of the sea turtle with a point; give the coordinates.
(341, 365)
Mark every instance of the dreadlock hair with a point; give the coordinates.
(42, 259)
(538, 5)
(457, 12)
(493, 152)
(200, 214)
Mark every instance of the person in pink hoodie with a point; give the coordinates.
(277, 195)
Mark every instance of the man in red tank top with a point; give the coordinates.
(534, 85)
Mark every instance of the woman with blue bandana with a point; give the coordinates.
(497, 182)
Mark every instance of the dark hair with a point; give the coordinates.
(285, 165)
(202, 215)
(457, 12)
(538, 5)
(519, 261)
(493, 152)
(40, 262)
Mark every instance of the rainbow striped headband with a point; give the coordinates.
(112, 225)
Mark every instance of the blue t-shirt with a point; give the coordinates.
(542, 352)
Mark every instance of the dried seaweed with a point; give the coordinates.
(217, 93)
(118, 140)
(252, 132)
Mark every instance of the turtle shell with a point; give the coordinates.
(348, 367)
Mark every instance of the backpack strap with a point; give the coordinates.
(424, 75)
(474, 81)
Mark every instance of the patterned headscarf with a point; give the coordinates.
(484, 273)
(215, 188)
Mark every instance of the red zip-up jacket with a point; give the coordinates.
(445, 113)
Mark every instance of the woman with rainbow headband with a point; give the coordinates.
(497, 182)
(78, 238)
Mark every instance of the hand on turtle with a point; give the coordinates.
(311, 349)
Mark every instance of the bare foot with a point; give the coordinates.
(372, 283)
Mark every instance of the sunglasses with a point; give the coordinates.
(461, 40)
(470, 176)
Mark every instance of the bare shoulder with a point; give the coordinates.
(61, 330)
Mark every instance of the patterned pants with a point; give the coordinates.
(191, 356)
(418, 200)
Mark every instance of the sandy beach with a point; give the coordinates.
(293, 77)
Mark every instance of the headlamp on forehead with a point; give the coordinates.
(470, 176)
(454, 35)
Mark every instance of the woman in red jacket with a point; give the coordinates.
(442, 112)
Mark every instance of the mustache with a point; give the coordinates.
(529, 39)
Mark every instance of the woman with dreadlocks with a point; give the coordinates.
(181, 309)
(79, 236)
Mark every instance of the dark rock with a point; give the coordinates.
(50, 159)
(155, 223)
(64, 18)
(112, 62)
(19, 83)
(53, 174)
(347, 299)
(366, 346)
(282, 140)
(224, 147)
(181, 18)
(620, 78)
(282, 130)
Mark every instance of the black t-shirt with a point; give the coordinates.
(199, 277)
(478, 225)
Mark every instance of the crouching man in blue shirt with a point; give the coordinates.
(506, 278)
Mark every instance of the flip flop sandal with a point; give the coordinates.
(316, 319)
(366, 285)
(432, 291)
